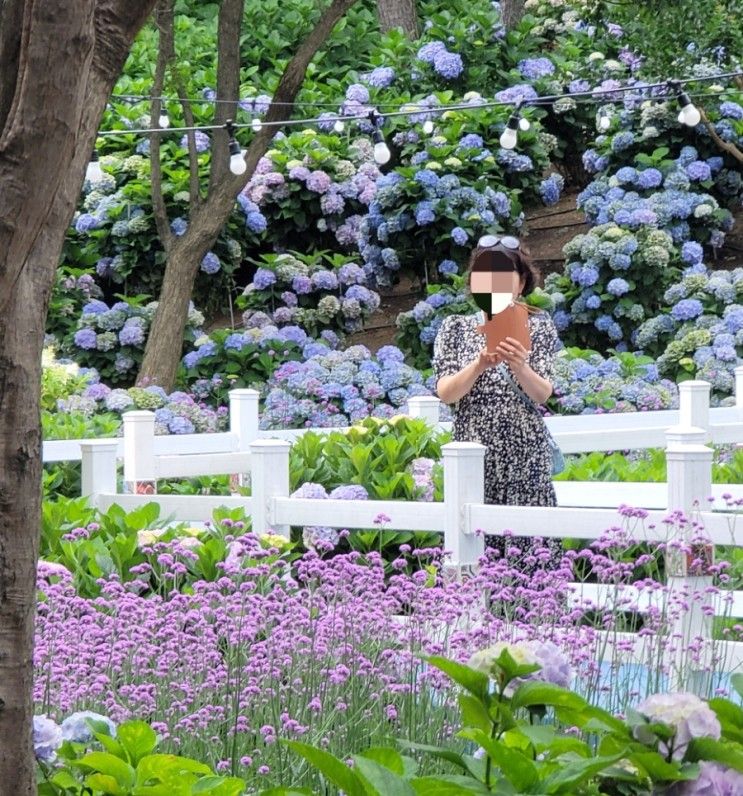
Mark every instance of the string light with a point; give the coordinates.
(164, 121)
(94, 173)
(339, 126)
(428, 126)
(689, 114)
(604, 122)
(509, 138)
(237, 159)
(256, 124)
(382, 153)
(524, 124)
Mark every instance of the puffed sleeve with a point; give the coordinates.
(447, 348)
(544, 346)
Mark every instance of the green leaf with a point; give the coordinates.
(516, 768)
(564, 780)
(659, 769)
(730, 716)
(137, 738)
(105, 763)
(448, 786)
(331, 768)
(474, 713)
(106, 784)
(219, 786)
(539, 693)
(390, 758)
(384, 781)
(729, 754)
(473, 681)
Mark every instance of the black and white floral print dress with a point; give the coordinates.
(518, 460)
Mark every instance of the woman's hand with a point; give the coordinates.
(514, 353)
(486, 360)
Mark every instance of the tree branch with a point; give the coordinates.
(725, 146)
(194, 186)
(11, 21)
(228, 83)
(164, 17)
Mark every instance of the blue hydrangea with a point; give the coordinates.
(622, 140)
(85, 338)
(698, 171)
(687, 309)
(448, 65)
(618, 287)
(731, 110)
(534, 68)
(593, 302)
(626, 174)
(692, 252)
(649, 178)
(428, 52)
(551, 188)
(459, 236)
(381, 77)
(210, 264)
(471, 141)
(132, 335)
(179, 226)
(263, 279)
(448, 267)
(256, 222)
(424, 213)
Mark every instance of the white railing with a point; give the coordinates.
(585, 510)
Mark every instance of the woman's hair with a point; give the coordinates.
(523, 266)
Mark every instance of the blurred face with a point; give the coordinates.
(495, 289)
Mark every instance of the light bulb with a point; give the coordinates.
(381, 152)
(94, 173)
(428, 127)
(690, 115)
(339, 126)
(237, 158)
(524, 124)
(164, 121)
(604, 123)
(256, 124)
(509, 138)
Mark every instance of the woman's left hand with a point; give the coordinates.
(514, 353)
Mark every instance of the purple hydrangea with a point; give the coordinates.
(324, 280)
(513, 94)
(203, 142)
(263, 279)
(579, 86)
(301, 285)
(181, 425)
(699, 171)
(85, 338)
(319, 182)
(428, 52)
(75, 727)
(349, 491)
(132, 335)
(357, 93)
(47, 738)
(534, 68)
(448, 65)
(381, 77)
(714, 780)
(649, 178)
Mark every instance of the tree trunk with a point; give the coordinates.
(165, 340)
(511, 13)
(57, 68)
(398, 14)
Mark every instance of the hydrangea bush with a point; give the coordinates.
(291, 289)
(587, 383)
(112, 339)
(314, 183)
(613, 280)
(699, 333)
(337, 388)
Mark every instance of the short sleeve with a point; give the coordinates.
(447, 348)
(544, 347)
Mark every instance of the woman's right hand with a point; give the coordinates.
(486, 360)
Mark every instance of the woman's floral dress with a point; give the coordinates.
(518, 460)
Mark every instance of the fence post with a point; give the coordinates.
(694, 405)
(139, 453)
(269, 468)
(464, 482)
(425, 406)
(739, 387)
(244, 423)
(98, 468)
(689, 466)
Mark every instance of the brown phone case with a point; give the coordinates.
(512, 322)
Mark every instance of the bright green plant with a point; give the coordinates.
(128, 765)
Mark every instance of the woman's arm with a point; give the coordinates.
(537, 388)
(451, 389)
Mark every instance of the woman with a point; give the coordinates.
(518, 460)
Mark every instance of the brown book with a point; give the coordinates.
(511, 322)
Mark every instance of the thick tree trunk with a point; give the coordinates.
(511, 12)
(165, 341)
(62, 72)
(398, 14)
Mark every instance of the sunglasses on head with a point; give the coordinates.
(507, 241)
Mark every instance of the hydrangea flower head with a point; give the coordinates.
(688, 715)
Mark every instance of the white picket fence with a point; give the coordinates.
(585, 509)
